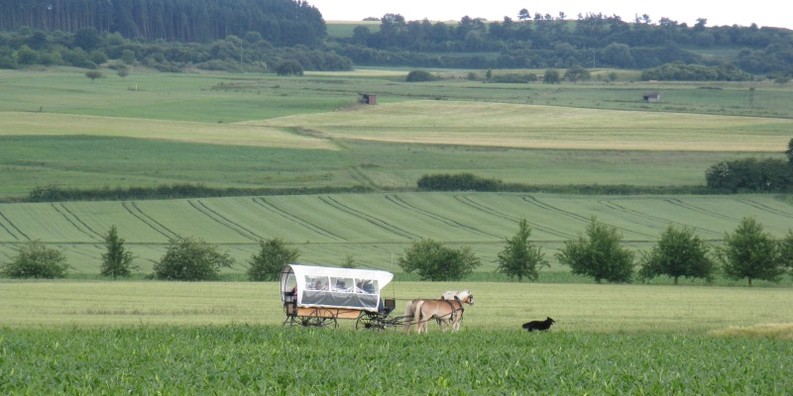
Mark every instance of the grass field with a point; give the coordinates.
(254, 130)
(586, 308)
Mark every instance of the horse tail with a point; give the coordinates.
(417, 316)
(408, 317)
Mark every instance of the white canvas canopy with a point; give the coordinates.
(333, 287)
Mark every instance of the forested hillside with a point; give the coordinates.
(234, 35)
(281, 22)
(592, 40)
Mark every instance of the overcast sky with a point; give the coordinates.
(762, 12)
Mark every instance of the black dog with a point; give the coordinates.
(539, 325)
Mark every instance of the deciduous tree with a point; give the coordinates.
(273, 255)
(117, 260)
(36, 260)
(786, 252)
(678, 253)
(751, 253)
(435, 262)
(520, 258)
(94, 74)
(598, 254)
(190, 259)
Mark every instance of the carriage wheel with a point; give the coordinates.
(368, 321)
(321, 318)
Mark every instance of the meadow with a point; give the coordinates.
(254, 130)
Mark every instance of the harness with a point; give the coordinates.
(453, 309)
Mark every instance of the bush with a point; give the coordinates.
(458, 182)
(435, 262)
(420, 75)
(272, 257)
(289, 68)
(750, 175)
(191, 260)
(35, 260)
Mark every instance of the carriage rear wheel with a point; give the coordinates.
(321, 318)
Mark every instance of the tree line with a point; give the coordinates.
(591, 40)
(748, 253)
(281, 22)
(89, 48)
(170, 34)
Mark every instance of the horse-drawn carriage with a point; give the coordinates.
(319, 296)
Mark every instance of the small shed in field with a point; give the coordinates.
(652, 97)
(367, 98)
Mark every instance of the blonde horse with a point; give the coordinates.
(444, 310)
(412, 314)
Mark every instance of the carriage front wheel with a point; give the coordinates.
(370, 321)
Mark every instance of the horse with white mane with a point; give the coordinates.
(446, 310)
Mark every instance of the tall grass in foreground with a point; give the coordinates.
(243, 359)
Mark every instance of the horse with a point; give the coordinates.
(412, 313)
(445, 311)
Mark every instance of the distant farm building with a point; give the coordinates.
(652, 97)
(367, 99)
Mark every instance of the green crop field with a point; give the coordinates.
(373, 228)
(149, 337)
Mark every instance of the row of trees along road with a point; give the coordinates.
(748, 253)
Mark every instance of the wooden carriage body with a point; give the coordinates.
(317, 296)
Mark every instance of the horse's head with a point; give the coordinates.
(465, 297)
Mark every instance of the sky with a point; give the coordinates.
(768, 13)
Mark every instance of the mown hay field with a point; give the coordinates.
(588, 308)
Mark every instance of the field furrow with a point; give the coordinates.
(545, 206)
(401, 202)
(239, 229)
(766, 208)
(134, 210)
(701, 210)
(492, 211)
(661, 213)
(10, 229)
(374, 220)
(78, 224)
(313, 228)
(634, 219)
